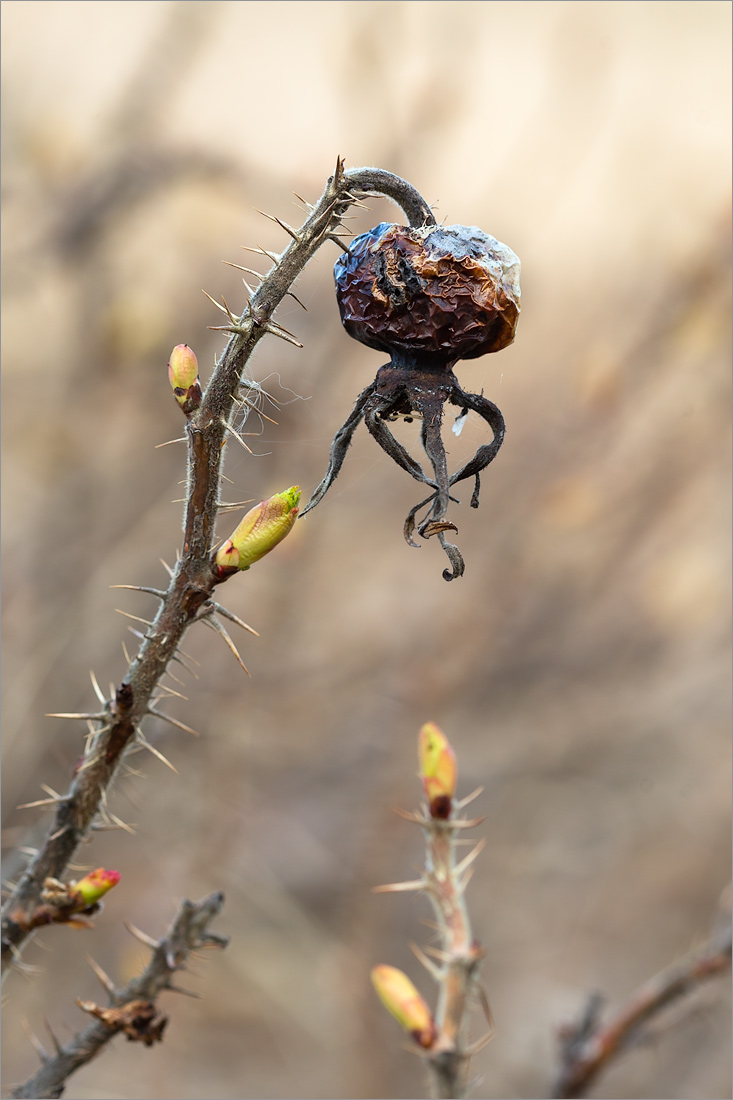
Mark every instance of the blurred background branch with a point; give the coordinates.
(132, 1009)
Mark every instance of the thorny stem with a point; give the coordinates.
(459, 954)
(193, 581)
(187, 933)
(448, 1059)
(588, 1047)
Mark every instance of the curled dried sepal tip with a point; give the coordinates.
(260, 531)
(183, 373)
(92, 888)
(437, 769)
(399, 996)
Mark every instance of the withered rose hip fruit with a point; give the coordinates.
(427, 295)
(434, 293)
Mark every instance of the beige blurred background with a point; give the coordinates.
(581, 666)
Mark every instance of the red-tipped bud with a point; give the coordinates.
(259, 532)
(93, 887)
(183, 372)
(437, 769)
(399, 996)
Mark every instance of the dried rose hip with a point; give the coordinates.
(428, 296)
(442, 293)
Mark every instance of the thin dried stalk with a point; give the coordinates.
(589, 1047)
(193, 580)
(188, 932)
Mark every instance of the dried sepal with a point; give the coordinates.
(140, 1020)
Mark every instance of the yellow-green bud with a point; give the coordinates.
(90, 889)
(183, 373)
(260, 531)
(437, 769)
(399, 996)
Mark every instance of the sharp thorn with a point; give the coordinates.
(410, 815)
(246, 401)
(282, 224)
(120, 824)
(184, 992)
(137, 618)
(143, 937)
(442, 956)
(461, 886)
(234, 618)
(35, 1041)
(469, 798)
(142, 588)
(234, 503)
(103, 977)
(237, 436)
(223, 633)
(429, 965)
(167, 567)
(172, 721)
(180, 660)
(156, 752)
(281, 328)
(39, 802)
(467, 823)
(472, 855)
(297, 299)
(217, 304)
(274, 256)
(240, 267)
(283, 336)
(97, 688)
(76, 717)
(398, 887)
(485, 1006)
(181, 439)
(478, 1046)
(172, 691)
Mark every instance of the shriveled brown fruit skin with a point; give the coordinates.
(437, 293)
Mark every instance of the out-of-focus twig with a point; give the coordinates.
(590, 1045)
(442, 1037)
(132, 1009)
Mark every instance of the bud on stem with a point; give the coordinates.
(92, 888)
(399, 996)
(437, 769)
(183, 373)
(260, 531)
